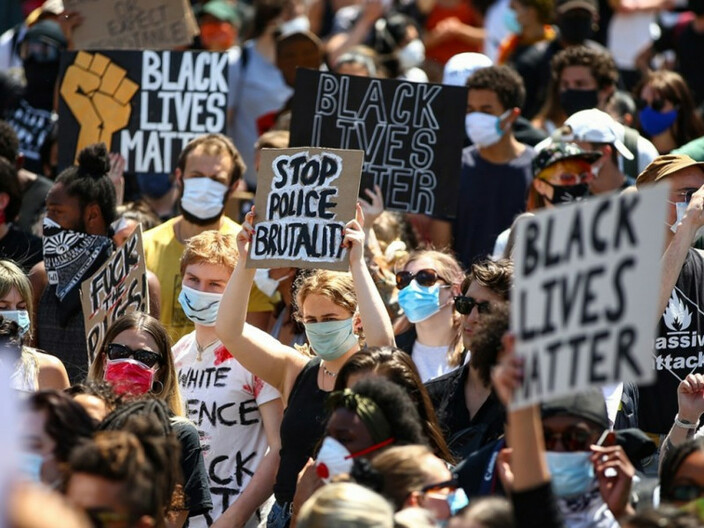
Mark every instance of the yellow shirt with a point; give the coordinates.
(162, 252)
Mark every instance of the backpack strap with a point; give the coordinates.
(630, 139)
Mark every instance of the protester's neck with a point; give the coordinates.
(503, 151)
(205, 335)
(185, 230)
(436, 330)
(664, 142)
(266, 45)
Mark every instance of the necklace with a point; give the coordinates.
(327, 372)
(200, 349)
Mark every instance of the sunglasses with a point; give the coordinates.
(655, 104)
(572, 439)
(686, 492)
(149, 358)
(465, 305)
(424, 277)
(451, 484)
(687, 194)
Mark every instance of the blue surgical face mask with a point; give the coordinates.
(331, 339)
(654, 122)
(457, 500)
(200, 307)
(30, 466)
(511, 22)
(21, 317)
(419, 302)
(571, 473)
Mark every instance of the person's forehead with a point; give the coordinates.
(577, 71)
(478, 97)
(482, 293)
(58, 194)
(690, 177)
(208, 155)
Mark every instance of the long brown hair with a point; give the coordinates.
(397, 366)
(166, 374)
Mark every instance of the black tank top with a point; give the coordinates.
(302, 426)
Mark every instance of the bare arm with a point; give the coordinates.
(52, 373)
(690, 407)
(154, 295)
(262, 484)
(258, 352)
(338, 44)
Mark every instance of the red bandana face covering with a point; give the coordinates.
(129, 376)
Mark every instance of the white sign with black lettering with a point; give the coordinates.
(586, 284)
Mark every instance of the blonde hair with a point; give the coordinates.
(210, 247)
(12, 276)
(337, 286)
(345, 505)
(450, 270)
(403, 471)
(142, 322)
(273, 139)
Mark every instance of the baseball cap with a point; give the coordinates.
(561, 151)
(562, 6)
(459, 68)
(589, 405)
(222, 10)
(664, 166)
(594, 126)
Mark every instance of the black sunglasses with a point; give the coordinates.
(424, 277)
(117, 351)
(452, 484)
(686, 492)
(572, 438)
(465, 305)
(655, 104)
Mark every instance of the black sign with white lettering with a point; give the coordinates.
(412, 134)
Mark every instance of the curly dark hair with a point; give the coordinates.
(67, 423)
(672, 463)
(485, 342)
(10, 184)
(99, 389)
(397, 366)
(9, 143)
(393, 402)
(600, 63)
(496, 275)
(502, 80)
(90, 183)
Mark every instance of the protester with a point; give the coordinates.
(490, 512)
(469, 412)
(327, 303)
(396, 366)
(666, 111)
(346, 505)
(219, 25)
(681, 474)
(248, 410)
(35, 370)
(207, 171)
(429, 331)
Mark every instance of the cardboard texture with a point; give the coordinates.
(146, 105)
(118, 288)
(412, 134)
(586, 282)
(133, 24)
(305, 196)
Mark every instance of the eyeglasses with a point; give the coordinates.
(465, 305)
(451, 484)
(686, 492)
(573, 439)
(117, 351)
(424, 277)
(687, 193)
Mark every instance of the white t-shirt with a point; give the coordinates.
(430, 360)
(222, 399)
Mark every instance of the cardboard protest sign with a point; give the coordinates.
(305, 196)
(412, 134)
(145, 105)
(118, 288)
(133, 24)
(584, 303)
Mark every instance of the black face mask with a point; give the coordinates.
(41, 80)
(575, 28)
(564, 194)
(576, 100)
(696, 7)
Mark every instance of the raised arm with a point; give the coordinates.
(378, 330)
(690, 407)
(257, 351)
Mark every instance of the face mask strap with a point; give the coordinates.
(371, 448)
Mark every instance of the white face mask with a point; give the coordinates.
(266, 284)
(203, 198)
(295, 25)
(411, 55)
(333, 459)
(484, 129)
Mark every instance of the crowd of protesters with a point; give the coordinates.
(380, 396)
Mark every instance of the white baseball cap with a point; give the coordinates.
(594, 126)
(461, 66)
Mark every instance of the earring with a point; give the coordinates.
(161, 387)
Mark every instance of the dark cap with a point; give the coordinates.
(664, 166)
(562, 6)
(561, 151)
(589, 405)
(46, 31)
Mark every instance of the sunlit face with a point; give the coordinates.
(480, 294)
(348, 429)
(12, 301)
(577, 78)
(64, 209)
(689, 475)
(652, 98)
(485, 101)
(201, 164)
(682, 182)
(318, 309)
(206, 277)
(135, 339)
(422, 263)
(435, 500)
